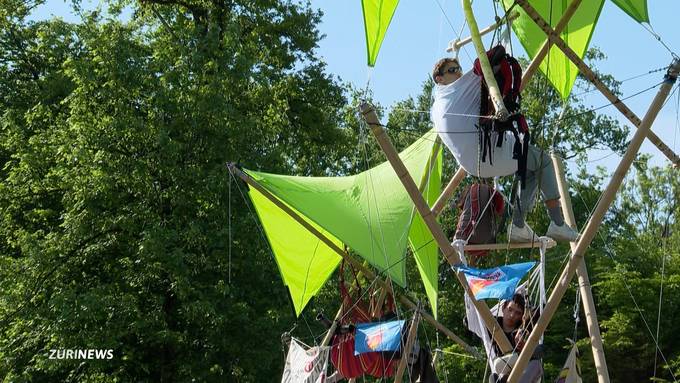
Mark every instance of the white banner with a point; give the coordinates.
(305, 366)
(571, 372)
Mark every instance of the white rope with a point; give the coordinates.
(658, 316)
(230, 233)
(577, 306)
(543, 247)
(453, 353)
(677, 119)
(658, 38)
(459, 245)
(445, 114)
(663, 272)
(543, 301)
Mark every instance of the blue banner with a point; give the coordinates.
(495, 283)
(378, 336)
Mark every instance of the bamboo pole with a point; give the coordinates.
(380, 302)
(545, 48)
(594, 222)
(431, 163)
(444, 330)
(583, 280)
(331, 331)
(494, 92)
(451, 255)
(329, 335)
(451, 187)
(592, 77)
(412, 332)
(457, 44)
(346, 256)
(520, 245)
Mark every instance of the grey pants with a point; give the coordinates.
(540, 175)
(532, 374)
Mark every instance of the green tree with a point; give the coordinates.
(115, 227)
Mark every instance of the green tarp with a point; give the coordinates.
(370, 212)
(425, 249)
(556, 66)
(305, 263)
(377, 17)
(636, 9)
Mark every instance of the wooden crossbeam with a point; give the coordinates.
(454, 46)
(504, 246)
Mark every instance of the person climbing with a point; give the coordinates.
(515, 323)
(455, 114)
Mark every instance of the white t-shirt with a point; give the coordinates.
(455, 116)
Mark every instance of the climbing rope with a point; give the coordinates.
(650, 29)
(230, 232)
(576, 316)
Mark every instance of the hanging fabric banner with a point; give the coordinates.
(571, 372)
(305, 366)
(498, 282)
(379, 336)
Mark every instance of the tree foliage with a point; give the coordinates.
(116, 204)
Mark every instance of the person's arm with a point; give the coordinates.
(520, 335)
(530, 318)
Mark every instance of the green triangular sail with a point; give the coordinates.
(305, 263)
(370, 212)
(556, 66)
(637, 9)
(425, 249)
(377, 17)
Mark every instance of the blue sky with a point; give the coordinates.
(419, 35)
(421, 30)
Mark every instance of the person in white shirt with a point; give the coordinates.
(455, 114)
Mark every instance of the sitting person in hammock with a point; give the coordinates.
(516, 323)
(455, 114)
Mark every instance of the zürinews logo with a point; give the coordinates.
(80, 354)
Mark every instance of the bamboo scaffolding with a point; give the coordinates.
(380, 302)
(334, 325)
(582, 275)
(454, 46)
(347, 257)
(448, 191)
(592, 77)
(451, 255)
(520, 245)
(494, 92)
(594, 222)
(545, 48)
(406, 350)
